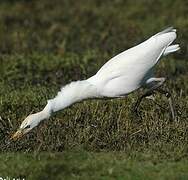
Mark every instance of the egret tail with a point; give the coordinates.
(167, 30)
(171, 49)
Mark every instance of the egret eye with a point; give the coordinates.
(28, 126)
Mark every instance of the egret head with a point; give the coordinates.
(32, 121)
(27, 125)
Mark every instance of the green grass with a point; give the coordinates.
(85, 165)
(47, 44)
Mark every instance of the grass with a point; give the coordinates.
(85, 165)
(46, 45)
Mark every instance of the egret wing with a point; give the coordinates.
(136, 61)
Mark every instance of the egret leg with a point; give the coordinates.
(139, 100)
(170, 100)
(152, 84)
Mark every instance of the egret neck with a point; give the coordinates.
(70, 94)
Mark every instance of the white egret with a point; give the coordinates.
(121, 75)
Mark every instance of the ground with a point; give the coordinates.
(47, 44)
(89, 165)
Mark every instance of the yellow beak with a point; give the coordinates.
(18, 134)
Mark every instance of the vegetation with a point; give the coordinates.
(47, 44)
(90, 165)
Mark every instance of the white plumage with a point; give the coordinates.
(131, 69)
(120, 76)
